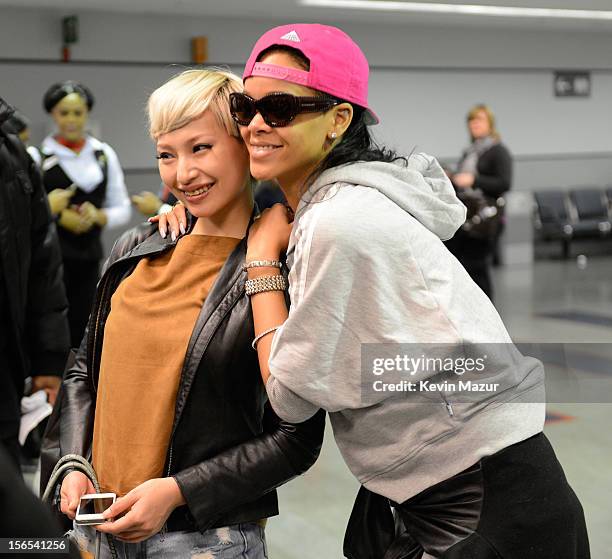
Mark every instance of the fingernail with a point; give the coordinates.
(149, 219)
(182, 229)
(173, 236)
(163, 233)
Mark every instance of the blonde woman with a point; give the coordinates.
(169, 398)
(485, 165)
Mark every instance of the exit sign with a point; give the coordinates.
(572, 84)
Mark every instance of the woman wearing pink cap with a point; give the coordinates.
(368, 266)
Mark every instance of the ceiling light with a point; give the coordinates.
(460, 9)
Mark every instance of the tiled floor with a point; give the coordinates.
(315, 507)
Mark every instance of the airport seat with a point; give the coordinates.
(591, 206)
(552, 218)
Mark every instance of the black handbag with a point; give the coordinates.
(484, 213)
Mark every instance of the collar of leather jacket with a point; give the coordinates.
(153, 244)
(146, 242)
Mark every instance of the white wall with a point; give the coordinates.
(127, 37)
(423, 81)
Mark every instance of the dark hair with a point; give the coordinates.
(356, 143)
(297, 55)
(16, 123)
(60, 90)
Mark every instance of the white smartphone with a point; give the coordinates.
(91, 507)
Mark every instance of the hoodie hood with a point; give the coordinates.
(421, 189)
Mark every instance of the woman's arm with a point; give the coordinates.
(77, 411)
(247, 471)
(232, 478)
(269, 307)
(269, 311)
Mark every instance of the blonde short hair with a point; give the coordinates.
(187, 95)
(481, 107)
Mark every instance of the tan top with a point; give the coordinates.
(152, 316)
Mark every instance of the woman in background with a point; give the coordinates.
(87, 193)
(485, 165)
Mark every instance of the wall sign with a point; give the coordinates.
(572, 84)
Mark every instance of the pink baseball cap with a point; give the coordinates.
(337, 64)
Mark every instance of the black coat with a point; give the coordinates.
(494, 171)
(23, 515)
(228, 450)
(33, 320)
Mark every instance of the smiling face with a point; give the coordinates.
(70, 116)
(208, 171)
(290, 153)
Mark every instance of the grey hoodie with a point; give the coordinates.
(368, 266)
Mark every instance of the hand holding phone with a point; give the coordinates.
(91, 507)
(74, 485)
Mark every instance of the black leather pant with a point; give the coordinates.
(515, 504)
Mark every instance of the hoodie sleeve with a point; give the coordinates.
(344, 293)
(314, 362)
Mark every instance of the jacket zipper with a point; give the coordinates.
(170, 451)
(447, 404)
(164, 528)
(170, 458)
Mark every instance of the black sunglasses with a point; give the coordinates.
(277, 109)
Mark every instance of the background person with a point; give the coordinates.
(33, 327)
(87, 193)
(19, 125)
(150, 204)
(486, 165)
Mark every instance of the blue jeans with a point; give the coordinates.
(240, 541)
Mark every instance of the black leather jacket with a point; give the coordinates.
(34, 318)
(228, 451)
